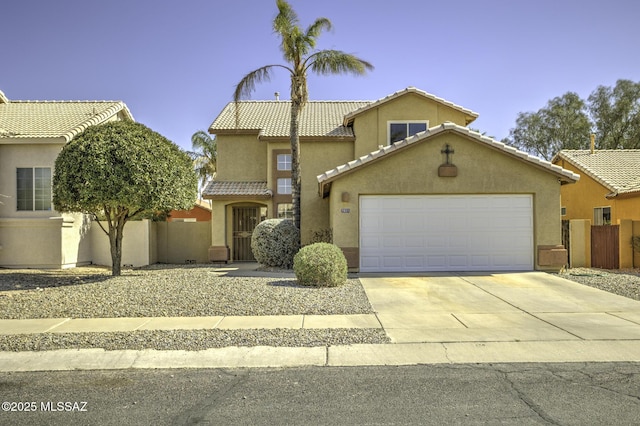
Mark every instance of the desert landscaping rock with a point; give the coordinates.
(624, 282)
(169, 291)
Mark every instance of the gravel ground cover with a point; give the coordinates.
(624, 282)
(167, 290)
(195, 290)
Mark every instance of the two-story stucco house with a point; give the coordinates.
(401, 182)
(32, 133)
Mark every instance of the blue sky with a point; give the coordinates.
(176, 63)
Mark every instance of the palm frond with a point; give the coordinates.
(286, 19)
(314, 30)
(327, 62)
(248, 83)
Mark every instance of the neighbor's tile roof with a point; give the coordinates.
(618, 170)
(330, 175)
(273, 118)
(225, 189)
(471, 115)
(54, 119)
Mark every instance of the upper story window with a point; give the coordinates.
(33, 188)
(602, 216)
(402, 129)
(284, 185)
(284, 162)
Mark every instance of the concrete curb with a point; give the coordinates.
(353, 355)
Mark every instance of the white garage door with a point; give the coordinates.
(446, 233)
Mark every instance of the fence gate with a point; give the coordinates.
(605, 246)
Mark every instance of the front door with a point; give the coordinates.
(245, 220)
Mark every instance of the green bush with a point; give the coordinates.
(274, 243)
(320, 264)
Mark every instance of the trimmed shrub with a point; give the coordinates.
(274, 243)
(320, 264)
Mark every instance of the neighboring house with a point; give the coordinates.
(609, 187)
(401, 182)
(200, 212)
(32, 133)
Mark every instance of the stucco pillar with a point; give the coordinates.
(580, 243)
(625, 243)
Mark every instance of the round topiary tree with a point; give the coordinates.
(274, 242)
(119, 171)
(320, 264)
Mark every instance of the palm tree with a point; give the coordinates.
(297, 47)
(204, 156)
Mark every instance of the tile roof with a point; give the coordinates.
(618, 170)
(273, 118)
(330, 175)
(471, 115)
(225, 189)
(54, 119)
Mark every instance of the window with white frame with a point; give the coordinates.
(284, 162)
(33, 188)
(284, 185)
(285, 211)
(602, 216)
(399, 130)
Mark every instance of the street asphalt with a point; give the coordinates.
(434, 318)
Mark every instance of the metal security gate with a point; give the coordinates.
(605, 246)
(245, 220)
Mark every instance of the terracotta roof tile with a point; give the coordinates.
(224, 189)
(616, 169)
(54, 119)
(273, 118)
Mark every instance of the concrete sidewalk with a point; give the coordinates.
(88, 325)
(432, 318)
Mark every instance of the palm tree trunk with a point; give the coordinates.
(297, 99)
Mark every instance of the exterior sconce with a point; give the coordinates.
(345, 197)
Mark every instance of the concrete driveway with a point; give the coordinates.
(501, 307)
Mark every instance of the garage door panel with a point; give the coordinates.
(461, 232)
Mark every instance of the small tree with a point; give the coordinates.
(118, 171)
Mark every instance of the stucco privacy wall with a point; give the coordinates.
(17, 248)
(182, 242)
(136, 244)
(414, 170)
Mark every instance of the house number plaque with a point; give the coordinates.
(345, 210)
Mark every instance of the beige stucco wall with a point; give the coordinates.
(25, 154)
(136, 244)
(30, 243)
(481, 170)
(179, 242)
(76, 240)
(371, 127)
(317, 158)
(241, 158)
